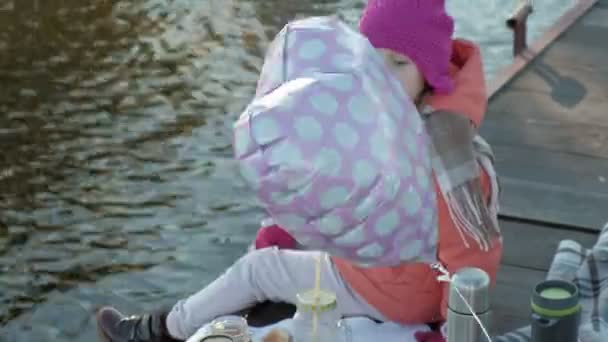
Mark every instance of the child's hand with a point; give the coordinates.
(274, 236)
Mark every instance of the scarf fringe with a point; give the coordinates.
(487, 164)
(465, 215)
(471, 214)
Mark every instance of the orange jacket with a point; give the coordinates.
(410, 293)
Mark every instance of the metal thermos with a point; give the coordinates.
(474, 286)
(556, 312)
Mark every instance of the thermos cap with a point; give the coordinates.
(473, 284)
(217, 338)
(555, 298)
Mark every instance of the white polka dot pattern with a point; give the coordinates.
(345, 135)
(335, 151)
(312, 49)
(308, 128)
(324, 102)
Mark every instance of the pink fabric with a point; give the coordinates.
(419, 29)
(274, 236)
(430, 336)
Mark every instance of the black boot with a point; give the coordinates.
(116, 327)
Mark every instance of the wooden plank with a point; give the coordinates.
(523, 104)
(597, 17)
(552, 186)
(587, 32)
(552, 204)
(533, 246)
(547, 133)
(578, 172)
(511, 297)
(582, 45)
(567, 87)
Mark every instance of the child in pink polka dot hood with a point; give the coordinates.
(445, 79)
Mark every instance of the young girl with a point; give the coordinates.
(445, 78)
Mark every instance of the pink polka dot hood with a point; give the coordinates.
(335, 151)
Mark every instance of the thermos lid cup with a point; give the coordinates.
(555, 298)
(473, 284)
(217, 338)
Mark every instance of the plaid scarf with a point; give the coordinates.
(587, 269)
(456, 152)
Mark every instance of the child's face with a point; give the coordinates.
(406, 71)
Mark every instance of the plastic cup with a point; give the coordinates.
(235, 327)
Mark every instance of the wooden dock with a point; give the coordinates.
(548, 124)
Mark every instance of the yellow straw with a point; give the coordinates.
(317, 295)
(318, 277)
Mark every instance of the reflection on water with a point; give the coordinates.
(115, 123)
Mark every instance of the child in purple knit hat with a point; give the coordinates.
(444, 77)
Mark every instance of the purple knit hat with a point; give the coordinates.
(419, 29)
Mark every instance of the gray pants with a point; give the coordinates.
(261, 275)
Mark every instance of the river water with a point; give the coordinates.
(115, 159)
